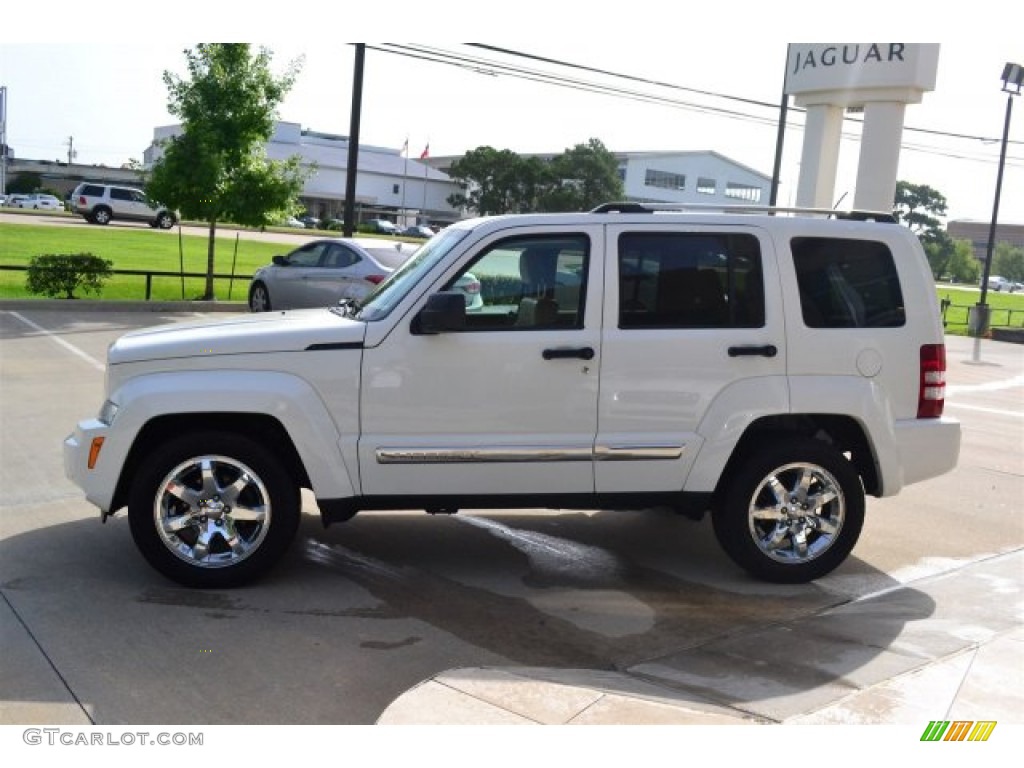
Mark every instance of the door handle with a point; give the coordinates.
(583, 353)
(767, 350)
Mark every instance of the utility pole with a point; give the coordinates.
(71, 149)
(3, 140)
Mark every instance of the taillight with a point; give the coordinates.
(81, 200)
(375, 279)
(931, 394)
(472, 287)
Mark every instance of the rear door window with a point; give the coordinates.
(690, 280)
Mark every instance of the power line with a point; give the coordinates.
(495, 68)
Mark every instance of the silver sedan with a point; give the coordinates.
(323, 272)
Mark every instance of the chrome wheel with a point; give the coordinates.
(791, 511)
(101, 216)
(796, 513)
(212, 511)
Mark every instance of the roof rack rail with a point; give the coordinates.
(631, 207)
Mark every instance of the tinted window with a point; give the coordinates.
(690, 280)
(847, 283)
(120, 194)
(92, 190)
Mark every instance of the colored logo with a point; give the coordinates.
(958, 730)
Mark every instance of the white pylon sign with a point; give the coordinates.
(878, 78)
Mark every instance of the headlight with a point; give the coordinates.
(108, 412)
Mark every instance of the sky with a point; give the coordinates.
(102, 85)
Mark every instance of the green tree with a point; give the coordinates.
(217, 169)
(583, 177)
(961, 265)
(494, 181)
(919, 207)
(1008, 262)
(25, 183)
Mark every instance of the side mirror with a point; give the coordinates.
(444, 312)
(280, 261)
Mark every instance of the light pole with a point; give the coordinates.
(1013, 78)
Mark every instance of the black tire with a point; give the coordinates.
(213, 509)
(101, 216)
(806, 533)
(259, 298)
(165, 220)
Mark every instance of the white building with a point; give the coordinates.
(407, 190)
(388, 185)
(699, 177)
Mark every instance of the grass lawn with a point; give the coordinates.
(1006, 309)
(141, 248)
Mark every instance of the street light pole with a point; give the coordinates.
(1013, 77)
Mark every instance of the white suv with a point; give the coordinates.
(102, 203)
(769, 369)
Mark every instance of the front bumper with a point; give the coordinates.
(97, 482)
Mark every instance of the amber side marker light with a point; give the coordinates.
(94, 451)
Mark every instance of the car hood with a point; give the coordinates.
(292, 331)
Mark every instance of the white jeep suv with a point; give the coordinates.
(770, 369)
(102, 203)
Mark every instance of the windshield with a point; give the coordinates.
(391, 292)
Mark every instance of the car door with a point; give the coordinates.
(692, 321)
(508, 405)
(290, 286)
(337, 276)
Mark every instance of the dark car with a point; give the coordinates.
(311, 222)
(418, 230)
(379, 226)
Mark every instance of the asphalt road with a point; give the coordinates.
(360, 612)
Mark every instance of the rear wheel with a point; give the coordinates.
(101, 216)
(213, 509)
(792, 513)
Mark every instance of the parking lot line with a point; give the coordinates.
(57, 339)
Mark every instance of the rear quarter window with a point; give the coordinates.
(847, 283)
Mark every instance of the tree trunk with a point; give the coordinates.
(209, 295)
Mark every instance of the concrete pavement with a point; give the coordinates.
(958, 654)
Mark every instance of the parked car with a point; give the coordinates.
(41, 202)
(380, 226)
(323, 272)
(997, 283)
(293, 222)
(103, 203)
(14, 200)
(310, 222)
(418, 230)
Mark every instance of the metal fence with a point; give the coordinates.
(149, 274)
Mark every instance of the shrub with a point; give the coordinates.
(53, 274)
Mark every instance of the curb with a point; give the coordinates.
(95, 305)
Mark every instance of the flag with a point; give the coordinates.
(426, 152)
(405, 148)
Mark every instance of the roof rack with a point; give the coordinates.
(630, 207)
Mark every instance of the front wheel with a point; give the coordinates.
(213, 509)
(792, 513)
(165, 221)
(259, 298)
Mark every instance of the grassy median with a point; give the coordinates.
(139, 248)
